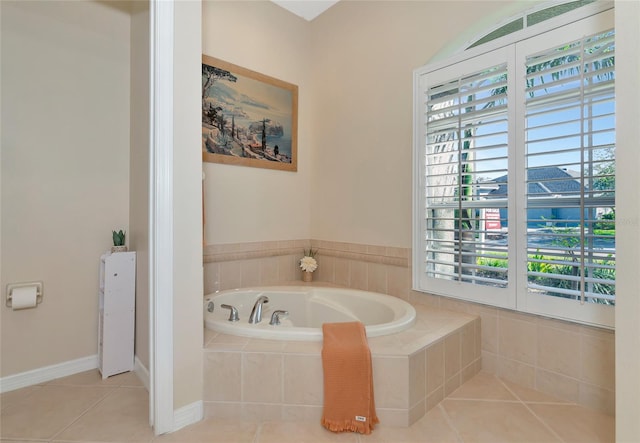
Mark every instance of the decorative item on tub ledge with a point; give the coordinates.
(308, 264)
(118, 241)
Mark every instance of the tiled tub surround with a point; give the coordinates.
(563, 359)
(254, 379)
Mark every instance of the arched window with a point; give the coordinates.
(530, 18)
(514, 164)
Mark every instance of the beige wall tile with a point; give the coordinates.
(435, 366)
(211, 277)
(398, 281)
(393, 417)
(417, 411)
(489, 335)
(288, 268)
(301, 413)
(342, 271)
(435, 397)
(377, 278)
(468, 344)
(469, 371)
(417, 378)
(452, 361)
(261, 377)
(222, 376)
(269, 273)
(390, 381)
(453, 304)
(517, 340)
(230, 275)
(358, 275)
(303, 380)
(261, 412)
(376, 250)
(521, 316)
(557, 385)
(516, 372)
(356, 247)
(597, 399)
(489, 362)
(598, 361)
(250, 273)
(510, 344)
(420, 298)
(223, 410)
(452, 384)
(559, 351)
(484, 386)
(326, 268)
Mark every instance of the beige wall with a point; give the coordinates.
(364, 54)
(187, 206)
(65, 170)
(139, 171)
(628, 219)
(250, 204)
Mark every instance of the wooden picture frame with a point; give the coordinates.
(248, 118)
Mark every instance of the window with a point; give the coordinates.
(515, 174)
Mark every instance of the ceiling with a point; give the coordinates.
(307, 9)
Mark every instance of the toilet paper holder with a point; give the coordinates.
(12, 286)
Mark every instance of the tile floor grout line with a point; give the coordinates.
(256, 436)
(544, 423)
(112, 390)
(449, 421)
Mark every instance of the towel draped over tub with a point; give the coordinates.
(348, 379)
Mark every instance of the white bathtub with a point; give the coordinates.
(308, 308)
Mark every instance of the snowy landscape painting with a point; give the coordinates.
(248, 118)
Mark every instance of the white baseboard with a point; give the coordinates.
(48, 373)
(142, 372)
(188, 415)
(182, 417)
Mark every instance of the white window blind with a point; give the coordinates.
(570, 170)
(466, 156)
(515, 174)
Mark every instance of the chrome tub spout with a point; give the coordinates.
(256, 312)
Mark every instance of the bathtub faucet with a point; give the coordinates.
(256, 312)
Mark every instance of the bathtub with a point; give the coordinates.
(308, 308)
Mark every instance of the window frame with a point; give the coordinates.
(516, 295)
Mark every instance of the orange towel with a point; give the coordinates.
(348, 379)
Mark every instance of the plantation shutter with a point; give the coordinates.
(465, 164)
(570, 170)
(514, 168)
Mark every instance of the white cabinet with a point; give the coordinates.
(116, 320)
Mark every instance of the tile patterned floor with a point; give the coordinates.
(86, 409)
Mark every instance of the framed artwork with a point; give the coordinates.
(248, 118)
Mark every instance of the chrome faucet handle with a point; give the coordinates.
(276, 316)
(233, 312)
